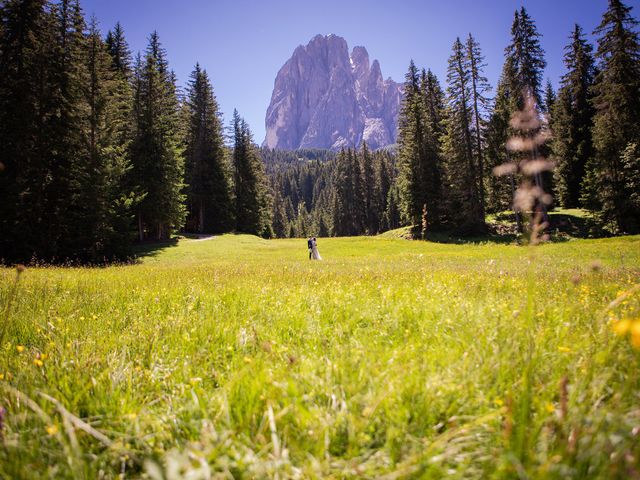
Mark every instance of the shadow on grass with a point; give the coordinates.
(152, 249)
(451, 237)
(501, 229)
(568, 225)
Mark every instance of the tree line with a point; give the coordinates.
(451, 140)
(100, 148)
(454, 139)
(332, 194)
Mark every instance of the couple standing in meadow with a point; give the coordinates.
(312, 245)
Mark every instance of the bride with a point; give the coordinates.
(315, 254)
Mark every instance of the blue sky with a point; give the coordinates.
(243, 43)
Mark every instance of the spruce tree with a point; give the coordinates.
(410, 148)
(617, 118)
(208, 183)
(105, 198)
(158, 165)
(63, 224)
(280, 221)
(434, 111)
(572, 120)
(480, 102)
(370, 187)
(549, 99)
(119, 50)
(464, 204)
(349, 214)
(521, 76)
(252, 200)
(26, 52)
(526, 60)
(500, 189)
(418, 154)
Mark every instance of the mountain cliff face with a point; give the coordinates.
(324, 97)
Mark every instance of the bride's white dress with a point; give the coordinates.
(315, 254)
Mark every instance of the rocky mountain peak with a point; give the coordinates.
(324, 97)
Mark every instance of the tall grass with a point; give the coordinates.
(237, 357)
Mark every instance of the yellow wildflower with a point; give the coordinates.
(635, 333)
(550, 407)
(38, 363)
(499, 402)
(52, 429)
(1, 376)
(194, 381)
(247, 360)
(20, 348)
(564, 349)
(621, 327)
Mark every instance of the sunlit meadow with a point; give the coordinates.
(237, 357)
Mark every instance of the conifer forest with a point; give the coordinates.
(101, 149)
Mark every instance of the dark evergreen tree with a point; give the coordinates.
(434, 110)
(480, 102)
(208, 180)
(105, 199)
(418, 155)
(280, 220)
(27, 42)
(158, 164)
(572, 120)
(252, 202)
(526, 60)
(63, 224)
(465, 208)
(370, 188)
(617, 118)
(549, 99)
(349, 207)
(521, 76)
(500, 189)
(118, 48)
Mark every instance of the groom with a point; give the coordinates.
(310, 246)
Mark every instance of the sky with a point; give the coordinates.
(243, 43)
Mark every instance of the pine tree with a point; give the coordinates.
(572, 120)
(349, 213)
(549, 99)
(26, 53)
(418, 153)
(521, 76)
(105, 197)
(525, 57)
(370, 187)
(434, 111)
(500, 189)
(158, 167)
(280, 221)
(64, 227)
(480, 102)
(252, 202)
(465, 207)
(119, 50)
(617, 118)
(208, 183)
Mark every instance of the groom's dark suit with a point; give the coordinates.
(310, 247)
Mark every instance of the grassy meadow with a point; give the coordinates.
(237, 357)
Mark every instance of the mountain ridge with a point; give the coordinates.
(327, 97)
